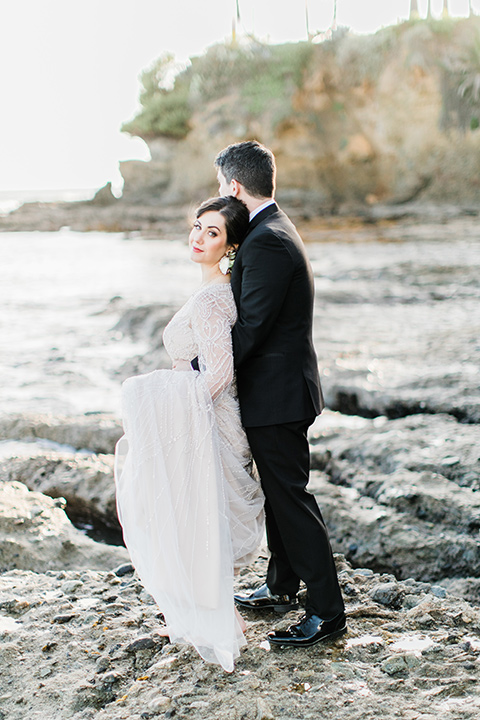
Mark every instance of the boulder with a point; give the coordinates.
(85, 482)
(36, 535)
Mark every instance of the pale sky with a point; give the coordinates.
(69, 70)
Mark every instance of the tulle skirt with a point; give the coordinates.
(190, 507)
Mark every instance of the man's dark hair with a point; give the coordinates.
(250, 164)
(234, 212)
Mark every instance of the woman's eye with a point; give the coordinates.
(197, 226)
(212, 233)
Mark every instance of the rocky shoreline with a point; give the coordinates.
(399, 496)
(79, 638)
(157, 219)
(88, 216)
(84, 644)
(79, 633)
(395, 468)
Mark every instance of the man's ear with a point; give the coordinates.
(235, 188)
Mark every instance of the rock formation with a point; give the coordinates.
(358, 124)
(372, 120)
(36, 535)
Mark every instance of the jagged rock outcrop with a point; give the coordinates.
(406, 499)
(104, 196)
(36, 535)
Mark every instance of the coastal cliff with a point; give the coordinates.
(379, 126)
(353, 121)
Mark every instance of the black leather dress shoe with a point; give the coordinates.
(263, 599)
(310, 630)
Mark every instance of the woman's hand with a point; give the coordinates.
(182, 365)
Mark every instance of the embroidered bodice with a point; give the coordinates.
(202, 328)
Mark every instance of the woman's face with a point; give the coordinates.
(208, 239)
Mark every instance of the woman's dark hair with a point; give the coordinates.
(234, 212)
(251, 164)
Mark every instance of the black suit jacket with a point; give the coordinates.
(275, 361)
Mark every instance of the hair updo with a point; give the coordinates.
(234, 212)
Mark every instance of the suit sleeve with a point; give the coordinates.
(266, 277)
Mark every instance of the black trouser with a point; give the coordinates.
(296, 533)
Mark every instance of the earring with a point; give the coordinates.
(226, 263)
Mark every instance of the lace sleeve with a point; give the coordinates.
(213, 317)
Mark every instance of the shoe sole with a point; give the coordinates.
(331, 636)
(276, 608)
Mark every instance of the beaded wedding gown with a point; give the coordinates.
(189, 504)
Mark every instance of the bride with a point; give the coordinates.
(188, 501)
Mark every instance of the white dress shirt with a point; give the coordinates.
(261, 207)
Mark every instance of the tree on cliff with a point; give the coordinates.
(235, 21)
(461, 87)
(414, 9)
(445, 12)
(163, 112)
(470, 85)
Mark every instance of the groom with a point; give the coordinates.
(280, 395)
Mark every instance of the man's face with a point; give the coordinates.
(224, 187)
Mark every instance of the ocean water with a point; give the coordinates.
(399, 302)
(58, 350)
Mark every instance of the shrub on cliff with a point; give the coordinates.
(165, 110)
(261, 74)
(461, 87)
